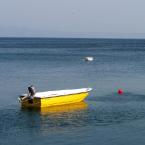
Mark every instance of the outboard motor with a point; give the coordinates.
(32, 92)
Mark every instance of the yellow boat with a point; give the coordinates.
(54, 98)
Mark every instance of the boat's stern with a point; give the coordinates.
(25, 102)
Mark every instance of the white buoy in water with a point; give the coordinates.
(89, 58)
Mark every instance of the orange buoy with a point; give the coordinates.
(120, 91)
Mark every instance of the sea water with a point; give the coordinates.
(54, 64)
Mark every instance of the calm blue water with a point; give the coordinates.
(51, 64)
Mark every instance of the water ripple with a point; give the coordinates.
(96, 114)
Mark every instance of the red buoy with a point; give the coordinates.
(120, 91)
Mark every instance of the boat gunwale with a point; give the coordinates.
(61, 95)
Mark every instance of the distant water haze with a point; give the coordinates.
(77, 18)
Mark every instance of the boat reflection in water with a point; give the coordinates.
(63, 108)
(57, 118)
(63, 117)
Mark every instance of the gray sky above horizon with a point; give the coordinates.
(72, 18)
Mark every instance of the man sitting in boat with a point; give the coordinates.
(31, 93)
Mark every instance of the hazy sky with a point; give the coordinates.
(72, 18)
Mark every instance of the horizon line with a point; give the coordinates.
(44, 37)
